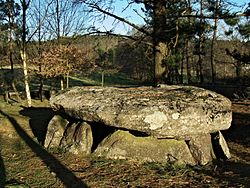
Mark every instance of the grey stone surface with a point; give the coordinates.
(220, 146)
(123, 145)
(163, 112)
(78, 138)
(55, 131)
(201, 148)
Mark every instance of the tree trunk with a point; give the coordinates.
(188, 62)
(238, 69)
(61, 83)
(41, 84)
(160, 69)
(58, 35)
(159, 41)
(26, 78)
(67, 80)
(23, 52)
(41, 89)
(11, 54)
(213, 74)
(11, 23)
(57, 21)
(40, 52)
(201, 46)
(213, 71)
(182, 68)
(102, 78)
(188, 56)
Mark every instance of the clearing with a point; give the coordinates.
(25, 163)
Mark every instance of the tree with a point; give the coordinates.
(238, 30)
(60, 60)
(244, 28)
(201, 41)
(65, 19)
(215, 7)
(163, 38)
(105, 62)
(23, 51)
(164, 21)
(241, 58)
(188, 45)
(38, 18)
(218, 10)
(10, 12)
(135, 59)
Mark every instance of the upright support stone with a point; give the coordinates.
(220, 146)
(123, 145)
(55, 131)
(201, 148)
(68, 136)
(84, 138)
(78, 138)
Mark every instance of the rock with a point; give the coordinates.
(68, 136)
(55, 131)
(78, 138)
(163, 112)
(178, 124)
(123, 145)
(220, 146)
(73, 137)
(201, 149)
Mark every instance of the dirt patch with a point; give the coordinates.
(23, 161)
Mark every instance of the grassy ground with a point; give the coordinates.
(25, 163)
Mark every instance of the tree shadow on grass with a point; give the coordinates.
(229, 173)
(39, 120)
(65, 175)
(2, 172)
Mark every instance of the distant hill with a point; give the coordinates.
(134, 59)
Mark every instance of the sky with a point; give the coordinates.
(131, 15)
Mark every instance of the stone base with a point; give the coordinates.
(172, 123)
(123, 145)
(83, 138)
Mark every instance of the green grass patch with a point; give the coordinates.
(113, 79)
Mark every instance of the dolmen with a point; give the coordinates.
(179, 124)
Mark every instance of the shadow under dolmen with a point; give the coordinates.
(39, 120)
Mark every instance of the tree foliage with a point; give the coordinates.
(171, 44)
(61, 60)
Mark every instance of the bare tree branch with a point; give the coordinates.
(99, 9)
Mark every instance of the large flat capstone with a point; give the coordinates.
(162, 112)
